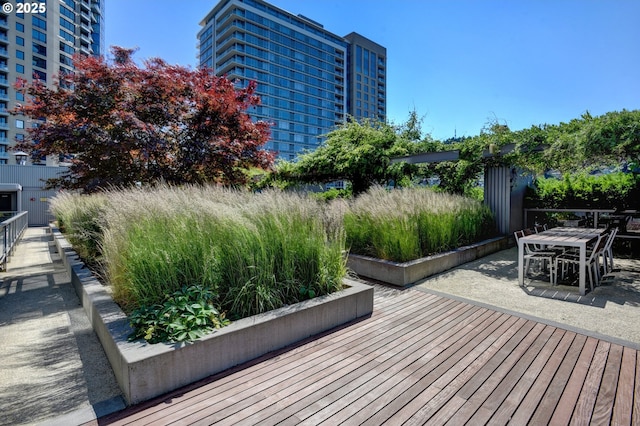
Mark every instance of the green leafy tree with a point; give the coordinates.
(126, 124)
(359, 152)
(459, 177)
(587, 142)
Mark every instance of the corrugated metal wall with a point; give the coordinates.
(497, 195)
(35, 199)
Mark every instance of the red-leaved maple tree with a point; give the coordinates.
(123, 124)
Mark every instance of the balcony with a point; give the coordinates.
(4, 125)
(4, 111)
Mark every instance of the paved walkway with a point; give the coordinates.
(53, 369)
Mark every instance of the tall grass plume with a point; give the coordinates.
(407, 224)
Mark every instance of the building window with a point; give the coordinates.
(39, 49)
(19, 27)
(19, 124)
(66, 12)
(38, 22)
(19, 41)
(39, 35)
(19, 54)
(65, 60)
(40, 75)
(20, 68)
(20, 96)
(67, 49)
(66, 24)
(39, 62)
(65, 35)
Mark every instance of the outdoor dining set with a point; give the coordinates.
(562, 251)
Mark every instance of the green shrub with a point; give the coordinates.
(582, 190)
(407, 224)
(333, 193)
(184, 316)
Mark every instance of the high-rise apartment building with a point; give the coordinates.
(309, 79)
(39, 39)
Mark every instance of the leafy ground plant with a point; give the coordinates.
(186, 315)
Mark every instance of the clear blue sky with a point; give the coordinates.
(458, 63)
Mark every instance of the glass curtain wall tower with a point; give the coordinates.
(300, 68)
(41, 42)
(367, 69)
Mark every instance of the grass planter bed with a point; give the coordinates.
(145, 371)
(406, 273)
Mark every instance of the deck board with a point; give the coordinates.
(623, 406)
(586, 402)
(419, 359)
(603, 409)
(551, 372)
(435, 397)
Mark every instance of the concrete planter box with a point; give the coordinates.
(145, 371)
(406, 273)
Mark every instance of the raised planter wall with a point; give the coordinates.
(406, 273)
(145, 371)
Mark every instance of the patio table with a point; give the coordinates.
(564, 237)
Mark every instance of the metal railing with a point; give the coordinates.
(10, 232)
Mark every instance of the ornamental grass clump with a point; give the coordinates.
(82, 219)
(255, 252)
(408, 224)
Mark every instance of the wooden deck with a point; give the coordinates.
(418, 359)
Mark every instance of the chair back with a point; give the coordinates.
(598, 247)
(517, 235)
(612, 236)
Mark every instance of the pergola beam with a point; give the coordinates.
(454, 155)
(428, 157)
